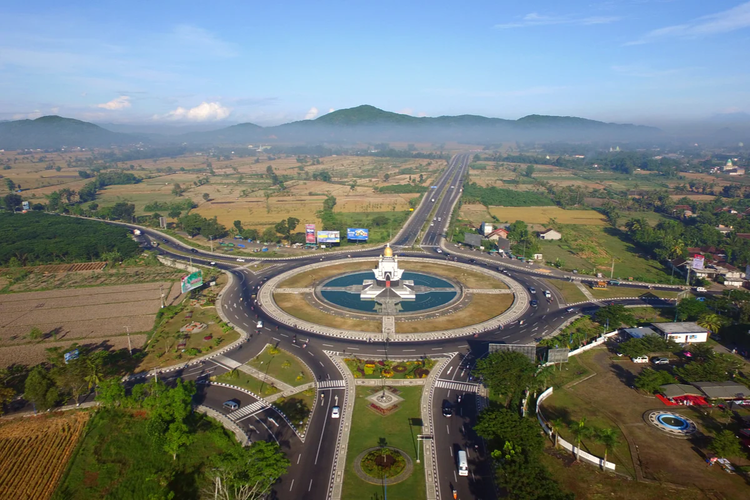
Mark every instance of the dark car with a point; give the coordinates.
(447, 410)
(194, 250)
(534, 303)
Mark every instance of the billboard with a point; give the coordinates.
(357, 234)
(25, 205)
(698, 261)
(191, 281)
(528, 350)
(310, 233)
(329, 236)
(558, 355)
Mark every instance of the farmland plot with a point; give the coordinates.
(34, 453)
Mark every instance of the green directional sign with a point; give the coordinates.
(191, 281)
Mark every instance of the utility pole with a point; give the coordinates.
(161, 292)
(211, 240)
(612, 272)
(130, 347)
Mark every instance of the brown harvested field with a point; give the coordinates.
(35, 451)
(607, 399)
(45, 280)
(481, 308)
(65, 268)
(541, 215)
(84, 314)
(33, 354)
(296, 305)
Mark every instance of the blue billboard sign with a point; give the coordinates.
(357, 234)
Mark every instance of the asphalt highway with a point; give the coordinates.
(309, 476)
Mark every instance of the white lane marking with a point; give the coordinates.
(311, 354)
(448, 429)
(454, 476)
(284, 335)
(436, 348)
(325, 421)
(409, 350)
(269, 430)
(451, 448)
(310, 487)
(354, 348)
(473, 478)
(328, 345)
(298, 458)
(277, 340)
(292, 485)
(450, 369)
(321, 364)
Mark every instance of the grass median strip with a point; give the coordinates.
(281, 365)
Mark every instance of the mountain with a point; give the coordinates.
(362, 124)
(53, 132)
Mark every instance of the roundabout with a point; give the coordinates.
(401, 300)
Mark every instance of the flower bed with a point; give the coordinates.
(383, 463)
(390, 369)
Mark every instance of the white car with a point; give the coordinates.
(240, 260)
(259, 325)
(335, 412)
(213, 263)
(432, 223)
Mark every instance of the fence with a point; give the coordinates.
(588, 457)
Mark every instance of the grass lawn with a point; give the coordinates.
(589, 248)
(283, 366)
(162, 349)
(117, 459)
(367, 428)
(481, 308)
(565, 373)
(297, 407)
(570, 292)
(296, 305)
(613, 292)
(242, 379)
(644, 315)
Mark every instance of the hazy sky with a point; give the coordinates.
(645, 61)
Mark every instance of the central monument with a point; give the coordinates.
(387, 283)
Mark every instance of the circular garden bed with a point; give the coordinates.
(374, 464)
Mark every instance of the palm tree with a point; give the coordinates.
(711, 322)
(94, 376)
(607, 437)
(580, 431)
(556, 424)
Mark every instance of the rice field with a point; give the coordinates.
(542, 215)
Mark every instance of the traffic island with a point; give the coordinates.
(386, 465)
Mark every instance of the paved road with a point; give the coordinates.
(309, 476)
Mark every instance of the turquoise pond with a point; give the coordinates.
(422, 302)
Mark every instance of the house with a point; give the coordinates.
(681, 332)
(723, 390)
(473, 240)
(550, 234)
(485, 229)
(725, 230)
(497, 234)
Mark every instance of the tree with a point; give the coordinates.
(206, 196)
(580, 431)
(238, 226)
(650, 380)
(93, 369)
(123, 211)
(40, 389)
(690, 309)
(247, 473)
(12, 201)
(508, 373)
(607, 437)
(35, 333)
(530, 170)
(177, 189)
(111, 392)
(11, 185)
(524, 477)
(269, 234)
(614, 315)
(725, 444)
(386, 177)
(174, 213)
(498, 425)
(711, 322)
(177, 437)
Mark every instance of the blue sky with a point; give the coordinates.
(645, 61)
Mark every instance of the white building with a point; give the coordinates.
(684, 332)
(550, 234)
(387, 280)
(485, 229)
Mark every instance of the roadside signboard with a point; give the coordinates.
(310, 233)
(698, 261)
(191, 281)
(329, 236)
(25, 205)
(528, 350)
(558, 355)
(357, 234)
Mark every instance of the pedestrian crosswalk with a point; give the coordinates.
(247, 410)
(332, 384)
(457, 386)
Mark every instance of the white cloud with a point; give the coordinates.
(534, 19)
(714, 24)
(331, 110)
(121, 102)
(27, 116)
(406, 111)
(205, 111)
(312, 113)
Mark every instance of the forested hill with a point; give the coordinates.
(54, 132)
(365, 123)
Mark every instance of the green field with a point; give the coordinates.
(118, 459)
(590, 248)
(242, 379)
(570, 292)
(367, 428)
(282, 366)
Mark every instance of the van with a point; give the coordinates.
(463, 465)
(640, 359)
(700, 289)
